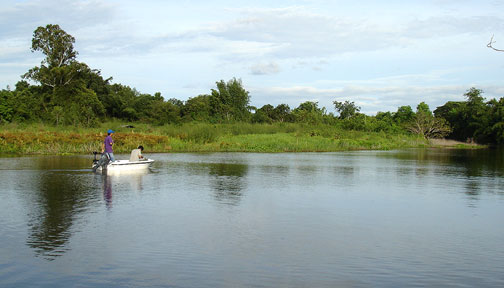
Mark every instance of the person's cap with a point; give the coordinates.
(110, 131)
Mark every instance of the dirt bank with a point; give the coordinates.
(452, 143)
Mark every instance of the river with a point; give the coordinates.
(408, 218)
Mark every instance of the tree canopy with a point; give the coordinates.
(346, 109)
(69, 92)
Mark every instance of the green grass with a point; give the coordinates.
(197, 137)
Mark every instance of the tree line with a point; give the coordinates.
(69, 92)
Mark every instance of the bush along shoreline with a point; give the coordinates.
(201, 137)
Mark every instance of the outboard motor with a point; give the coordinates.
(102, 162)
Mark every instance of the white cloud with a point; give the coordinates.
(450, 26)
(301, 33)
(19, 19)
(265, 69)
(22, 16)
(379, 55)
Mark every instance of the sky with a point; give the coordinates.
(379, 54)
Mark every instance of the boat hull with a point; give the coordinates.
(126, 165)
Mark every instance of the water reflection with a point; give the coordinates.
(228, 181)
(112, 180)
(478, 169)
(345, 171)
(107, 190)
(473, 163)
(60, 195)
(421, 172)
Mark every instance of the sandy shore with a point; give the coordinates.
(450, 143)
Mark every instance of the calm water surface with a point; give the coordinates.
(410, 218)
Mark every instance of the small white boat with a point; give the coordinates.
(120, 165)
(123, 165)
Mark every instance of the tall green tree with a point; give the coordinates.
(425, 124)
(263, 114)
(309, 112)
(281, 113)
(197, 108)
(59, 67)
(403, 115)
(81, 105)
(473, 119)
(477, 115)
(230, 101)
(423, 108)
(65, 83)
(5, 105)
(346, 109)
(56, 44)
(497, 120)
(102, 87)
(165, 112)
(454, 113)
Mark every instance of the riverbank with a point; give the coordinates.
(447, 143)
(199, 137)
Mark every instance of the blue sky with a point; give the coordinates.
(379, 54)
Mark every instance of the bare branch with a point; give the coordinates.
(489, 45)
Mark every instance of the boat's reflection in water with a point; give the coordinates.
(115, 181)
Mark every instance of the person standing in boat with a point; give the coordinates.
(107, 145)
(136, 154)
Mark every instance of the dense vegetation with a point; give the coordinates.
(69, 93)
(198, 137)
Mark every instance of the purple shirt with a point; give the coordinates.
(108, 144)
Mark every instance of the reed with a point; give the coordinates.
(197, 137)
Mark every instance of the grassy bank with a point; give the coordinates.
(197, 137)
